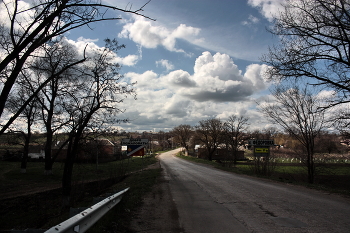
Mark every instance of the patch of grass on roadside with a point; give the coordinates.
(11, 178)
(119, 218)
(291, 169)
(136, 163)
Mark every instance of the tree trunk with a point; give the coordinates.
(311, 169)
(72, 151)
(234, 157)
(67, 175)
(48, 153)
(24, 158)
(210, 154)
(48, 164)
(24, 163)
(310, 164)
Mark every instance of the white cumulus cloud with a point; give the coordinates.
(216, 78)
(180, 78)
(268, 8)
(166, 64)
(151, 36)
(146, 81)
(217, 88)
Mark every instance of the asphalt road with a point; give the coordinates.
(210, 200)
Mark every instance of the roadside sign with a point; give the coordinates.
(261, 147)
(134, 141)
(135, 150)
(261, 150)
(261, 142)
(134, 146)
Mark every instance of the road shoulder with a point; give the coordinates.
(158, 212)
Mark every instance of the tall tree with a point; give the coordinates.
(53, 66)
(31, 24)
(314, 45)
(234, 128)
(209, 133)
(297, 111)
(182, 135)
(94, 102)
(27, 119)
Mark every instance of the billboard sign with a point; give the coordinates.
(134, 141)
(134, 146)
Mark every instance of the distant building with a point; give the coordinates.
(102, 149)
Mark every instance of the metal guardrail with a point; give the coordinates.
(85, 219)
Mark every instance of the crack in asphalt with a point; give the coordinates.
(265, 210)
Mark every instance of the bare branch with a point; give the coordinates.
(314, 45)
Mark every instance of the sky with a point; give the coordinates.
(199, 59)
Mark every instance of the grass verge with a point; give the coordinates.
(118, 219)
(14, 183)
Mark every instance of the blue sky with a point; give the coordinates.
(198, 60)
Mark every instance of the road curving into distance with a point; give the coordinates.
(211, 200)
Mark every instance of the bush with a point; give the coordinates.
(264, 166)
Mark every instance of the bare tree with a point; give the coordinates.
(233, 132)
(53, 66)
(297, 112)
(314, 44)
(270, 132)
(329, 143)
(36, 90)
(340, 119)
(256, 134)
(182, 135)
(163, 139)
(28, 117)
(209, 132)
(30, 25)
(94, 103)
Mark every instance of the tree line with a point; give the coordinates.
(232, 135)
(213, 133)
